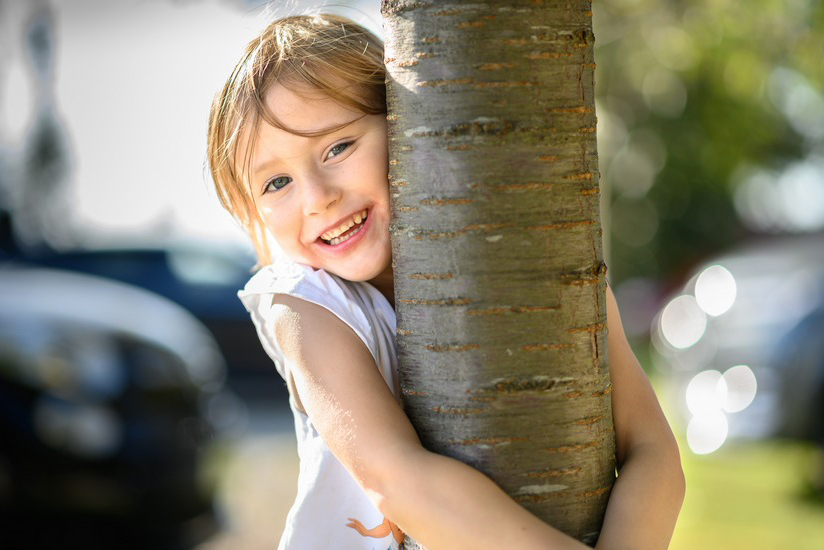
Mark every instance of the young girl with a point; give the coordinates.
(297, 149)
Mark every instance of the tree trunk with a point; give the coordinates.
(499, 273)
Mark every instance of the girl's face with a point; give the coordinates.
(325, 198)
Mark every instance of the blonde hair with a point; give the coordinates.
(324, 53)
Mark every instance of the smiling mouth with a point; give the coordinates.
(346, 230)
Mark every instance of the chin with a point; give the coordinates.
(362, 271)
(359, 274)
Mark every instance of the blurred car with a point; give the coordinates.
(204, 281)
(202, 278)
(742, 344)
(802, 373)
(110, 398)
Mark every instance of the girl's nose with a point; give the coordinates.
(319, 194)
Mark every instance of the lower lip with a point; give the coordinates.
(351, 241)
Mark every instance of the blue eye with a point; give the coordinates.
(337, 149)
(276, 184)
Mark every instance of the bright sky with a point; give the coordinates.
(134, 81)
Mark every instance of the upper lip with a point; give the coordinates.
(340, 221)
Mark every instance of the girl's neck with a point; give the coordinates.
(385, 284)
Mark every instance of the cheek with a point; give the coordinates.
(379, 175)
(268, 216)
(282, 226)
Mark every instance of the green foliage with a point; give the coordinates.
(692, 94)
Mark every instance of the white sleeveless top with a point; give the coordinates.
(331, 510)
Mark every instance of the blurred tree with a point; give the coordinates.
(37, 192)
(497, 247)
(697, 100)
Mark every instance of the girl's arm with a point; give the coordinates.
(648, 493)
(440, 502)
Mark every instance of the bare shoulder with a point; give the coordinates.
(320, 350)
(298, 323)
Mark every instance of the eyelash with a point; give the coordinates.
(271, 184)
(345, 146)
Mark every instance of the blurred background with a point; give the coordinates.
(136, 407)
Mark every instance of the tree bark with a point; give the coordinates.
(499, 274)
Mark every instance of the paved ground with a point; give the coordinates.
(256, 481)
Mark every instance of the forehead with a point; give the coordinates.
(306, 110)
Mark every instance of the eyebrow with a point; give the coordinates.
(309, 134)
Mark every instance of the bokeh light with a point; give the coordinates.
(706, 393)
(715, 290)
(741, 387)
(683, 322)
(706, 433)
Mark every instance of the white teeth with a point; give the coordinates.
(332, 236)
(336, 240)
